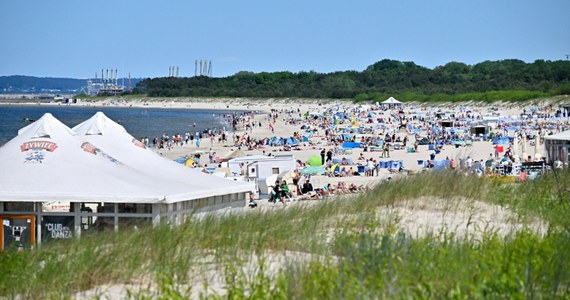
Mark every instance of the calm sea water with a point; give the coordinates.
(139, 122)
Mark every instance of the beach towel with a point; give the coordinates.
(349, 145)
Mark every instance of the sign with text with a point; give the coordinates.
(57, 227)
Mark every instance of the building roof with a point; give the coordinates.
(562, 136)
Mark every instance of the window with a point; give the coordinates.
(140, 208)
(19, 206)
(275, 171)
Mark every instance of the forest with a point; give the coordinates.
(510, 80)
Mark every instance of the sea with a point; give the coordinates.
(138, 121)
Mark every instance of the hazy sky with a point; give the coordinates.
(75, 38)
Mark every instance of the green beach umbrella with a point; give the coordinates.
(315, 161)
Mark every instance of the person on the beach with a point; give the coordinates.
(307, 187)
(329, 156)
(284, 191)
(295, 177)
(252, 203)
(369, 168)
(275, 193)
(386, 150)
(453, 164)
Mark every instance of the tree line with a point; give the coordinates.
(509, 79)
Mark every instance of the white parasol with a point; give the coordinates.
(537, 146)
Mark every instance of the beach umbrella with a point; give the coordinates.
(313, 170)
(315, 161)
(516, 147)
(335, 167)
(524, 154)
(537, 146)
(189, 162)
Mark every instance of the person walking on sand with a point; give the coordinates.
(329, 156)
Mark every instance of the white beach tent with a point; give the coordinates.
(48, 162)
(391, 103)
(189, 184)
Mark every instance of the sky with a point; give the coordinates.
(76, 39)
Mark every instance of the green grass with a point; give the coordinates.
(366, 258)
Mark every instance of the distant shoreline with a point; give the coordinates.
(235, 104)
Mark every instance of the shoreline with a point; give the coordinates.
(236, 104)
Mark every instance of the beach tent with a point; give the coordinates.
(106, 134)
(237, 153)
(501, 141)
(480, 129)
(391, 103)
(48, 162)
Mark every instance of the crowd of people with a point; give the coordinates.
(379, 138)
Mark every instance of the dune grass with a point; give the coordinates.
(352, 253)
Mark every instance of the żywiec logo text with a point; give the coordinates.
(49, 146)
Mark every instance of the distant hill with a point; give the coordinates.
(18, 84)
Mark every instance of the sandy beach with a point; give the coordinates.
(287, 116)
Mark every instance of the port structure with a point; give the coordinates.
(108, 84)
